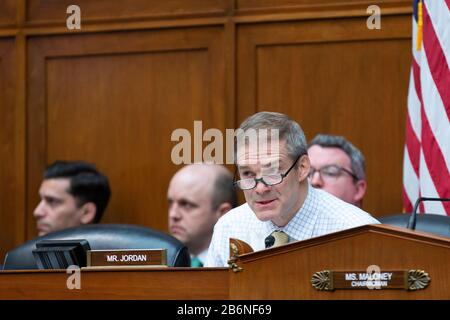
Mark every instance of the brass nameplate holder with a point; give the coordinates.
(126, 257)
(237, 248)
(410, 280)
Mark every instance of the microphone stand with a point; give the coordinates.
(413, 218)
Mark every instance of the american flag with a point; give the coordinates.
(426, 163)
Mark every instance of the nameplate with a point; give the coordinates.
(328, 280)
(133, 257)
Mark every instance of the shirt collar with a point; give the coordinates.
(202, 256)
(301, 226)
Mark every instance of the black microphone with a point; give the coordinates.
(269, 241)
(413, 218)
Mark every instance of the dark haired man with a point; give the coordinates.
(73, 193)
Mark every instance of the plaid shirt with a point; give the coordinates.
(320, 214)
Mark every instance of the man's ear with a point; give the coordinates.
(222, 209)
(303, 167)
(361, 187)
(88, 211)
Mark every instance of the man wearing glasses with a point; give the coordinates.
(279, 199)
(337, 167)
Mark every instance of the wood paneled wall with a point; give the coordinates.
(113, 92)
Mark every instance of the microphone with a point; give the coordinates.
(413, 218)
(269, 241)
(276, 238)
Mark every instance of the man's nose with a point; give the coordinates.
(174, 212)
(261, 187)
(316, 180)
(39, 211)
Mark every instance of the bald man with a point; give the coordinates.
(198, 195)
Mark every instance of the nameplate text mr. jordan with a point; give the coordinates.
(136, 257)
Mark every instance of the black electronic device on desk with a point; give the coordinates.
(60, 254)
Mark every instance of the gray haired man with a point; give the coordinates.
(279, 198)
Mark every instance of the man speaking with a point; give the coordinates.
(279, 199)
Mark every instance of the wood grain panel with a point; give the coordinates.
(292, 4)
(11, 155)
(115, 284)
(113, 96)
(337, 77)
(54, 11)
(8, 12)
(93, 99)
(285, 272)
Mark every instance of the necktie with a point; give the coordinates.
(196, 262)
(276, 238)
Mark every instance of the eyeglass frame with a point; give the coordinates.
(257, 180)
(312, 171)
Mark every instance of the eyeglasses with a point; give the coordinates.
(331, 171)
(268, 180)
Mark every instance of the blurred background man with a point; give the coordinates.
(198, 195)
(337, 167)
(73, 193)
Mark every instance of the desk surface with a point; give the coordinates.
(138, 283)
(283, 272)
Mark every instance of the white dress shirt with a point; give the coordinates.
(320, 214)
